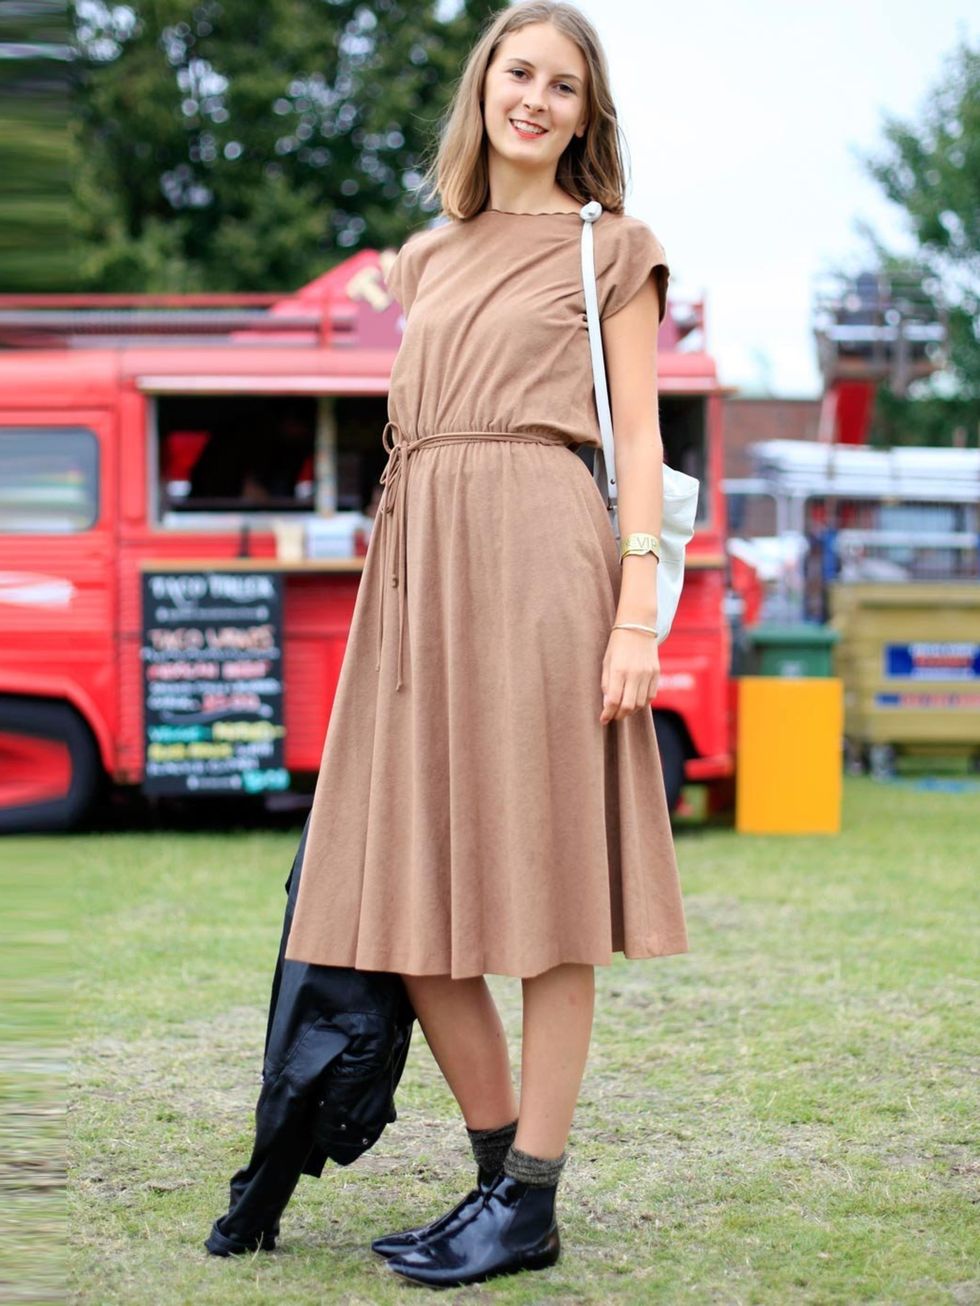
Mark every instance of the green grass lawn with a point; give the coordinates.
(788, 1113)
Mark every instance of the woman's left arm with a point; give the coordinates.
(631, 667)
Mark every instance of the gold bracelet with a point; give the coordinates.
(640, 542)
(632, 625)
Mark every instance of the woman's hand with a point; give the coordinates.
(630, 674)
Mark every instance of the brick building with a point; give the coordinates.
(753, 417)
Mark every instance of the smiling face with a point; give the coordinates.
(538, 76)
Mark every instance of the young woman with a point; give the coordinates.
(491, 800)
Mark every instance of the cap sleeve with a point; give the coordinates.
(401, 277)
(631, 255)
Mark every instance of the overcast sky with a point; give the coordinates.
(743, 118)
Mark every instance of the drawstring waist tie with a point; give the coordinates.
(395, 498)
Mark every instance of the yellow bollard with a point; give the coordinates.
(788, 755)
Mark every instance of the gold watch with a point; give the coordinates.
(640, 542)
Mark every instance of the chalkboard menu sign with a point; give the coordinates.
(212, 679)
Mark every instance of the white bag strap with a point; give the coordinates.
(589, 213)
(680, 490)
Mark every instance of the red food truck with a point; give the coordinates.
(149, 443)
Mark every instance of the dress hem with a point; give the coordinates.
(665, 950)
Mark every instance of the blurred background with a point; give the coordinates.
(184, 147)
(198, 204)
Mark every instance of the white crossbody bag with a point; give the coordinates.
(680, 490)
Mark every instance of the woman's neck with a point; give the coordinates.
(556, 201)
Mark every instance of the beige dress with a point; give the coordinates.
(472, 816)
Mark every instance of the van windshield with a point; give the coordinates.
(49, 480)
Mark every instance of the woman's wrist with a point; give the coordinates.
(635, 610)
(638, 589)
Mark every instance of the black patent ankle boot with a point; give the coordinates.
(404, 1242)
(513, 1228)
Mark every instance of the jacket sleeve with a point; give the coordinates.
(336, 1043)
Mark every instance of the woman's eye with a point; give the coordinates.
(563, 85)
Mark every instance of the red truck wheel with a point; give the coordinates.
(49, 766)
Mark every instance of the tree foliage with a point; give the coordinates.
(932, 170)
(34, 155)
(229, 145)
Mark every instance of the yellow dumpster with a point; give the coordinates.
(909, 657)
(788, 749)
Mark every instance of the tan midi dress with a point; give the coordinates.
(472, 816)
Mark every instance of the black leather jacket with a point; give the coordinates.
(335, 1048)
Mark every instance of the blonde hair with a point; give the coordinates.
(591, 167)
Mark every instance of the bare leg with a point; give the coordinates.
(558, 1010)
(462, 1026)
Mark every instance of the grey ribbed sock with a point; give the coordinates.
(490, 1145)
(535, 1171)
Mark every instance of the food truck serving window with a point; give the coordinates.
(49, 480)
(683, 430)
(232, 454)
